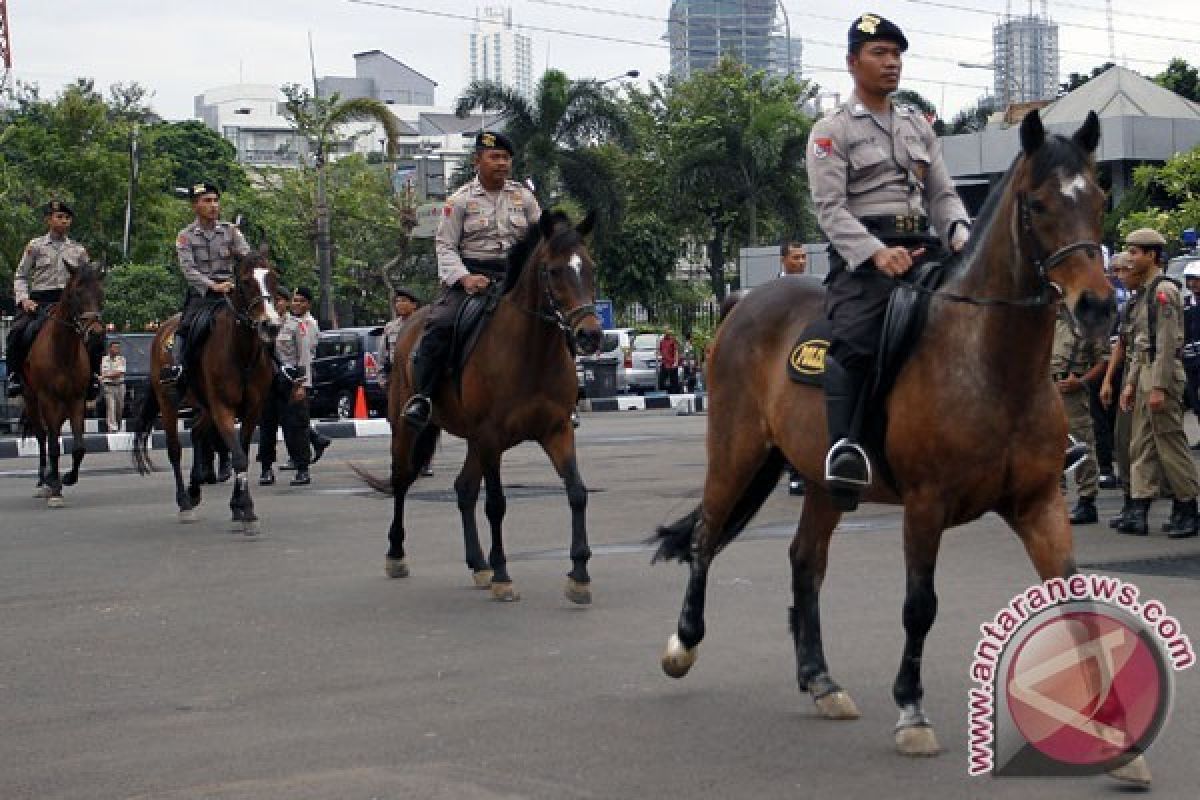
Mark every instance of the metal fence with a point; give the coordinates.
(683, 318)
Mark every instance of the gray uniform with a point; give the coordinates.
(44, 266)
(478, 224)
(387, 344)
(292, 346)
(208, 256)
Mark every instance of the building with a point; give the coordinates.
(500, 53)
(250, 115)
(380, 77)
(700, 32)
(783, 49)
(1025, 54)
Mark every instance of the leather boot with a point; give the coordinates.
(1173, 521)
(1084, 512)
(1136, 522)
(173, 373)
(847, 467)
(1115, 521)
(427, 369)
(1187, 524)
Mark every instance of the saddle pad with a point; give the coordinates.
(470, 322)
(806, 360)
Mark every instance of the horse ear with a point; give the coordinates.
(1088, 135)
(588, 223)
(1033, 135)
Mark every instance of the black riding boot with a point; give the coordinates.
(847, 468)
(174, 372)
(95, 351)
(15, 359)
(1137, 522)
(1084, 512)
(428, 366)
(1187, 521)
(1126, 507)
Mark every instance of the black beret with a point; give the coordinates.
(486, 140)
(55, 206)
(305, 292)
(283, 291)
(404, 291)
(203, 188)
(873, 26)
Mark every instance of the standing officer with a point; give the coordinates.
(39, 281)
(1118, 364)
(282, 386)
(404, 305)
(1153, 391)
(112, 374)
(879, 184)
(297, 346)
(207, 250)
(482, 221)
(1075, 364)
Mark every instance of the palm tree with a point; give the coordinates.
(318, 120)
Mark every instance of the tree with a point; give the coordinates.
(318, 119)
(135, 294)
(1178, 182)
(198, 154)
(918, 101)
(637, 261)
(973, 119)
(1181, 78)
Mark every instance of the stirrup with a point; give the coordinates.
(418, 411)
(170, 374)
(858, 477)
(1077, 452)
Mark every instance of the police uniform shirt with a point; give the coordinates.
(387, 342)
(292, 345)
(208, 255)
(477, 223)
(46, 265)
(1071, 353)
(1166, 370)
(861, 165)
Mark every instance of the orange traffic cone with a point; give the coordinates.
(360, 404)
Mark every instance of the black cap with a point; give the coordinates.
(203, 188)
(486, 140)
(305, 292)
(404, 291)
(872, 26)
(55, 206)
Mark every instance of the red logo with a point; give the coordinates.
(822, 147)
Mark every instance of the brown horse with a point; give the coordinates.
(229, 377)
(518, 385)
(57, 375)
(975, 424)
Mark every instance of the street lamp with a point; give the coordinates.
(633, 73)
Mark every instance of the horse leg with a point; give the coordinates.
(183, 497)
(79, 447)
(41, 491)
(494, 507)
(405, 465)
(560, 447)
(53, 451)
(809, 556)
(923, 526)
(240, 503)
(466, 488)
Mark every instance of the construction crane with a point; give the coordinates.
(5, 48)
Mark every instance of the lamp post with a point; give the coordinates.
(632, 73)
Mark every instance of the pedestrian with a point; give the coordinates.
(880, 187)
(112, 376)
(296, 346)
(38, 281)
(404, 304)
(481, 222)
(668, 362)
(1075, 364)
(276, 399)
(1153, 392)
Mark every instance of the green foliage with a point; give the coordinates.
(1176, 185)
(908, 97)
(135, 294)
(198, 154)
(636, 262)
(974, 118)
(1181, 78)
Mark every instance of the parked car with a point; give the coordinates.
(346, 359)
(1177, 264)
(642, 362)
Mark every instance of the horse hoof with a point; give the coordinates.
(677, 659)
(504, 592)
(396, 568)
(187, 517)
(482, 578)
(250, 527)
(917, 741)
(41, 493)
(1136, 772)
(837, 705)
(579, 593)
(55, 501)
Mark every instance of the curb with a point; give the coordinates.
(683, 403)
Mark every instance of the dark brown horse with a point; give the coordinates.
(229, 378)
(518, 385)
(975, 424)
(57, 375)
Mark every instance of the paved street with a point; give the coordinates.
(140, 658)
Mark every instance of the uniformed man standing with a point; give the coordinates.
(1118, 365)
(39, 281)
(1153, 391)
(482, 221)
(305, 445)
(404, 305)
(282, 389)
(1075, 364)
(880, 189)
(207, 250)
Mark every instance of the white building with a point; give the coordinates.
(500, 53)
(250, 116)
(1025, 50)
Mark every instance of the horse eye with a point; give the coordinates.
(1037, 206)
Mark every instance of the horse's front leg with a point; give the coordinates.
(809, 556)
(560, 447)
(42, 491)
(238, 458)
(240, 506)
(466, 490)
(924, 521)
(53, 451)
(494, 507)
(78, 444)
(403, 473)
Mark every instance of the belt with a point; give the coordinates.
(492, 267)
(899, 224)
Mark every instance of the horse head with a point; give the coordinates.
(83, 298)
(257, 282)
(560, 266)
(1058, 224)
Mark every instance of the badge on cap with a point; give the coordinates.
(868, 24)
(487, 140)
(822, 147)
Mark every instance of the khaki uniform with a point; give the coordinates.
(478, 224)
(114, 390)
(44, 265)
(1157, 438)
(387, 346)
(209, 255)
(1072, 355)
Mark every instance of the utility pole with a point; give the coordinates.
(133, 174)
(324, 249)
(5, 47)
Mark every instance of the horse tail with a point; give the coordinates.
(675, 540)
(374, 481)
(421, 454)
(143, 427)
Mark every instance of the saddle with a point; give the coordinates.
(469, 323)
(31, 330)
(197, 325)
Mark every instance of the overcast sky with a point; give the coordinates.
(178, 49)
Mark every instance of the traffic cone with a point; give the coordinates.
(360, 404)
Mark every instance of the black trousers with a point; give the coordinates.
(15, 346)
(280, 409)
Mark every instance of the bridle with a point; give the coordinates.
(80, 323)
(247, 303)
(550, 311)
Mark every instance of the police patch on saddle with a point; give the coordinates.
(806, 360)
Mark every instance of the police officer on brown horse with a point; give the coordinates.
(481, 222)
(881, 191)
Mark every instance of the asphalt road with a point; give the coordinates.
(140, 658)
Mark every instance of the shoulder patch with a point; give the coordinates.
(822, 147)
(181, 240)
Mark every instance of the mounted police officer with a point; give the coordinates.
(207, 250)
(1153, 391)
(482, 221)
(39, 281)
(881, 191)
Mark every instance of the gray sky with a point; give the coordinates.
(178, 49)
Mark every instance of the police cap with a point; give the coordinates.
(487, 140)
(872, 26)
(404, 291)
(1146, 237)
(57, 206)
(198, 190)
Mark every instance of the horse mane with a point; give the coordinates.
(565, 237)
